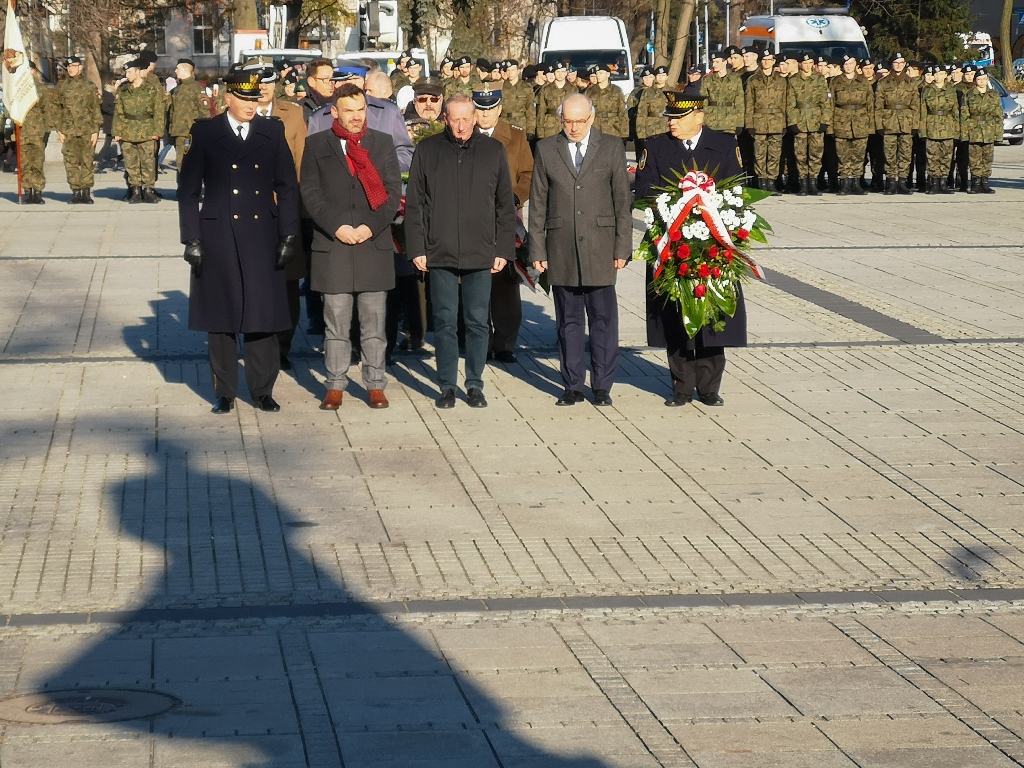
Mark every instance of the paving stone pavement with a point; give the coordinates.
(828, 571)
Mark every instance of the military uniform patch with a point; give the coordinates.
(643, 161)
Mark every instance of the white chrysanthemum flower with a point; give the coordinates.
(749, 219)
(700, 231)
(648, 217)
(737, 190)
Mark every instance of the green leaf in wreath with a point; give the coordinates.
(694, 310)
(758, 236)
(751, 195)
(723, 296)
(762, 224)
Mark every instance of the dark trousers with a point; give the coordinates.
(262, 357)
(745, 141)
(575, 308)
(284, 338)
(960, 167)
(446, 287)
(700, 368)
(876, 159)
(828, 178)
(314, 299)
(788, 168)
(406, 302)
(918, 164)
(506, 310)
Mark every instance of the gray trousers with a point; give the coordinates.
(338, 345)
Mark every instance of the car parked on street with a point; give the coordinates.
(1013, 114)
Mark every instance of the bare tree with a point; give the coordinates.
(1006, 41)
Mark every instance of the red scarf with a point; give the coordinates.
(361, 167)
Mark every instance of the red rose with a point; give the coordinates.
(729, 256)
(716, 272)
(713, 251)
(704, 271)
(699, 290)
(684, 268)
(742, 234)
(684, 251)
(675, 235)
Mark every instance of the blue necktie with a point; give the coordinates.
(579, 156)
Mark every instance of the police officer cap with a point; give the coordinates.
(187, 61)
(265, 68)
(680, 104)
(463, 60)
(483, 64)
(661, 70)
(74, 60)
(806, 56)
(731, 50)
(424, 88)
(243, 83)
(486, 100)
(341, 74)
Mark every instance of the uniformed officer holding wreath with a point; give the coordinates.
(238, 209)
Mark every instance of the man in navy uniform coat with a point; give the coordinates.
(697, 363)
(238, 210)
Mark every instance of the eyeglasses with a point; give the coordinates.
(574, 123)
(427, 99)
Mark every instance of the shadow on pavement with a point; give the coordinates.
(358, 692)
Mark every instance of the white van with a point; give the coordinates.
(580, 41)
(828, 32)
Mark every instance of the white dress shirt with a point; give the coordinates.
(235, 125)
(691, 143)
(584, 143)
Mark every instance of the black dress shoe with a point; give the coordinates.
(223, 405)
(712, 399)
(570, 397)
(286, 364)
(505, 357)
(601, 397)
(446, 400)
(678, 399)
(475, 398)
(268, 404)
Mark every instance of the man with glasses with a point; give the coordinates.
(580, 214)
(319, 86)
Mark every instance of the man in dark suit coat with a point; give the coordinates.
(506, 303)
(239, 239)
(582, 234)
(697, 363)
(353, 252)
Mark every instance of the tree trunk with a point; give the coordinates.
(1006, 41)
(682, 38)
(244, 16)
(662, 12)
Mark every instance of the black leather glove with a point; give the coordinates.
(194, 256)
(286, 247)
(823, 128)
(793, 129)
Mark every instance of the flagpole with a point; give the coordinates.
(17, 142)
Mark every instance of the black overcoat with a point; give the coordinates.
(717, 156)
(334, 197)
(239, 198)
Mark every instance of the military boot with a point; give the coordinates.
(128, 194)
(76, 197)
(890, 187)
(783, 185)
(945, 189)
(855, 187)
(844, 187)
(135, 196)
(930, 186)
(801, 189)
(148, 196)
(812, 186)
(87, 197)
(973, 190)
(29, 196)
(902, 188)
(983, 186)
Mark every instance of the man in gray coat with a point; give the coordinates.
(352, 187)
(582, 234)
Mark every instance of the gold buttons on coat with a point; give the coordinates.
(257, 191)
(235, 216)
(233, 166)
(255, 217)
(234, 191)
(256, 167)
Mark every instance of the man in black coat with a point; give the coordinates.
(582, 225)
(696, 363)
(238, 210)
(352, 187)
(460, 224)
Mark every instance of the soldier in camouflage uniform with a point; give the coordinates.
(34, 130)
(765, 119)
(519, 107)
(981, 126)
(650, 109)
(609, 105)
(808, 116)
(400, 77)
(645, 79)
(940, 125)
(188, 104)
(549, 100)
(78, 119)
(959, 169)
(465, 80)
(723, 89)
(853, 119)
(897, 117)
(138, 124)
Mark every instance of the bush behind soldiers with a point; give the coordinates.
(78, 119)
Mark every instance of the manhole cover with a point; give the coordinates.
(99, 705)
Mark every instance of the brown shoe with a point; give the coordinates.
(377, 399)
(332, 401)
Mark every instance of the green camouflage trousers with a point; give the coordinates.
(140, 162)
(78, 161)
(851, 157)
(898, 149)
(940, 155)
(981, 160)
(32, 176)
(809, 148)
(767, 152)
